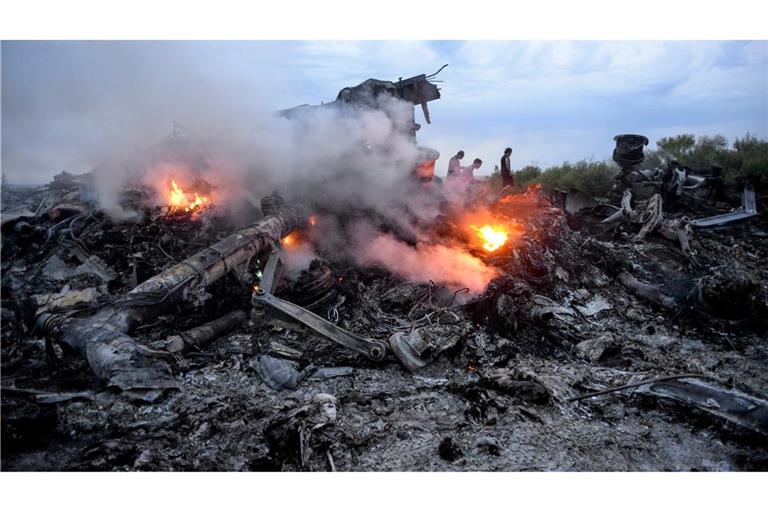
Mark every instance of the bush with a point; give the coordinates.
(524, 177)
(747, 156)
(592, 178)
(527, 175)
(494, 182)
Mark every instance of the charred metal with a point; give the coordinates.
(507, 330)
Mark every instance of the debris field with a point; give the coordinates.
(486, 384)
(521, 330)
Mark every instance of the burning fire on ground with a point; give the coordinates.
(493, 236)
(489, 232)
(298, 237)
(180, 200)
(289, 240)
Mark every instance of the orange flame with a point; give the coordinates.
(197, 203)
(178, 199)
(288, 240)
(492, 236)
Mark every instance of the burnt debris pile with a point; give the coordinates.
(413, 324)
(607, 336)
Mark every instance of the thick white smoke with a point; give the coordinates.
(428, 262)
(112, 115)
(351, 162)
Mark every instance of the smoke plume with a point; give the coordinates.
(351, 162)
(424, 263)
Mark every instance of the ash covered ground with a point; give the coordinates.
(573, 308)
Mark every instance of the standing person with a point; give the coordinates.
(468, 172)
(507, 179)
(454, 165)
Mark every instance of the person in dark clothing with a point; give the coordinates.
(507, 179)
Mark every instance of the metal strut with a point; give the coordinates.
(372, 349)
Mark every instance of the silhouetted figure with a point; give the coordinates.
(507, 179)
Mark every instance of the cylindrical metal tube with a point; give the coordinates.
(102, 338)
(202, 335)
(211, 263)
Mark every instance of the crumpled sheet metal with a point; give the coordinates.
(576, 200)
(68, 299)
(417, 348)
(594, 306)
(652, 220)
(56, 269)
(15, 215)
(374, 350)
(121, 362)
(280, 374)
(733, 406)
(748, 209)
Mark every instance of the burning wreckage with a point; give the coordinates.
(496, 331)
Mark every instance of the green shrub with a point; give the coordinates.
(524, 177)
(747, 156)
(592, 178)
(527, 175)
(494, 182)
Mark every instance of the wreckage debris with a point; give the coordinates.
(745, 411)
(280, 374)
(297, 432)
(748, 209)
(593, 349)
(103, 338)
(629, 149)
(263, 297)
(201, 336)
(730, 293)
(649, 292)
(449, 450)
(344, 366)
(737, 408)
(421, 345)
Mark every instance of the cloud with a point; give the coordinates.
(66, 102)
(554, 101)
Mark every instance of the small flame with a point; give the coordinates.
(288, 240)
(492, 236)
(179, 199)
(312, 220)
(197, 203)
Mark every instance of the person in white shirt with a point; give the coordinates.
(454, 165)
(468, 172)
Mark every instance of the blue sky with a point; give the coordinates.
(64, 104)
